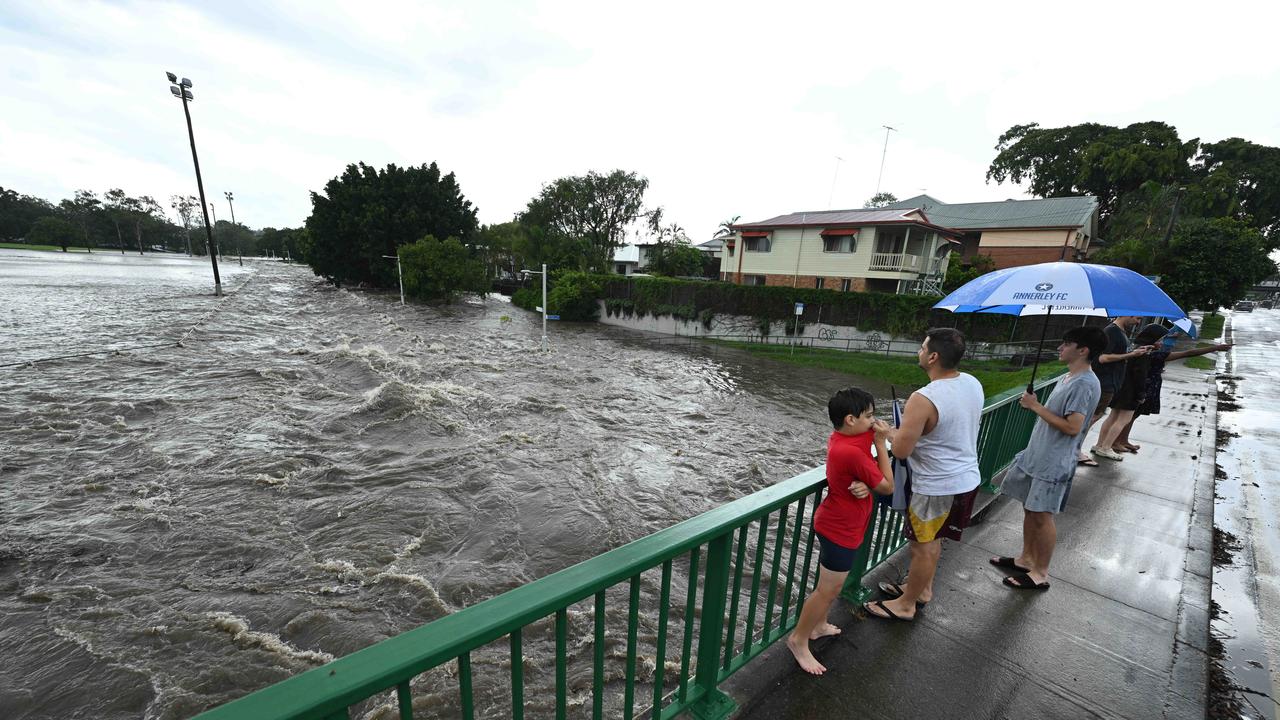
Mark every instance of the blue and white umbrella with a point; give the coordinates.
(1187, 326)
(1066, 288)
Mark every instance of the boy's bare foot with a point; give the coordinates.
(824, 630)
(800, 648)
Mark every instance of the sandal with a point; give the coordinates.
(1023, 581)
(888, 614)
(894, 591)
(1087, 462)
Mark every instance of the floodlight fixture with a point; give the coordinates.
(186, 83)
(172, 78)
(187, 94)
(180, 91)
(176, 92)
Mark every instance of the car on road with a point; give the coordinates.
(1244, 306)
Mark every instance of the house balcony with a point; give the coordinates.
(897, 262)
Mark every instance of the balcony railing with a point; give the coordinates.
(690, 645)
(896, 262)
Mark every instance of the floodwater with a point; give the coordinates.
(314, 470)
(1247, 493)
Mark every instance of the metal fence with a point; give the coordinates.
(713, 592)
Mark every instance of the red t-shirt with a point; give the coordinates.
(842, 518)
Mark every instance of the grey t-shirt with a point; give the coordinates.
(1051, 455)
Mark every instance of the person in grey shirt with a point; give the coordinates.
(1040, 476)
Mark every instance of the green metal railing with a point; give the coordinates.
(744, 570)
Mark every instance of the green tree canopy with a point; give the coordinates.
(366, 213)
(441, 270)
(592, 211)
(1092, 159)
(18, 212)
(1240, 179)
(53, 230)
(881, 199)
(1193, 270)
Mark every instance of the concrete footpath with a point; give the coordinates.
(1122, 632)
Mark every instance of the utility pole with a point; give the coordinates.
(182, 90)
(883, 153)
(233, 223)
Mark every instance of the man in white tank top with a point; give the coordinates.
(939, 434)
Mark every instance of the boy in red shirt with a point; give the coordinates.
(841, 520)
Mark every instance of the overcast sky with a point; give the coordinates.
(728, 109)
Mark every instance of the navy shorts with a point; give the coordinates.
(836, 558)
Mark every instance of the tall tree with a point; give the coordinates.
(185, 207)
(365, 213)
(1240, 179)
(82, 209)
(118, 205)
(593, 208)
(1092, 159)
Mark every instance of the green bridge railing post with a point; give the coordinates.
(713, 704)
(854, 591)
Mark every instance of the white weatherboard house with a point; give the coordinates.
(894, 251)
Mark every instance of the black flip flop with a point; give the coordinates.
(894, 590)
(888, 614)
(1023, 581)
(1008, 563)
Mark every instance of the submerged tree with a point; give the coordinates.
(441, 270)
(366, 213)
(594, 209)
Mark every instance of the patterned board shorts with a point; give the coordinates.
(930, 517)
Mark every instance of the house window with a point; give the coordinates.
(845, 285)
(753, 280)
(838, 244)
(891, 240)
(757, 244)
(729, 247)
(622, 269)
(819, 282)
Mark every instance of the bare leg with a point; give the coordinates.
(1111, 429)
(813, 619)
(1028, 557)
(1042, 530)
(1122, 443)
(919, 586)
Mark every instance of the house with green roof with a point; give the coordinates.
(904, 247)
(1017, 232)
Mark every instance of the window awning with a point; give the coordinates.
(838, 232)
(755, 233)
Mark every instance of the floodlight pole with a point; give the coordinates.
(183, 94)
(543, 273)
(230, 197)
(399, 275)
(883, 153)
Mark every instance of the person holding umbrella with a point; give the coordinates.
(1040, 476)
(1110, 367)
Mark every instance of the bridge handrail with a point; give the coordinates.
(327, 692)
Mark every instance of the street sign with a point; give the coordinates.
(538, 309)
(553, 317)
(799, 308)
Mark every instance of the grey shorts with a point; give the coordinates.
(1034, 494)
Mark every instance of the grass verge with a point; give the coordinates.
(43, 248)
(902, 371)
(1211, 326)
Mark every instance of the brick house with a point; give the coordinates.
(1017, 232)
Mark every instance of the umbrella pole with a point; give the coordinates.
(1036, 366)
